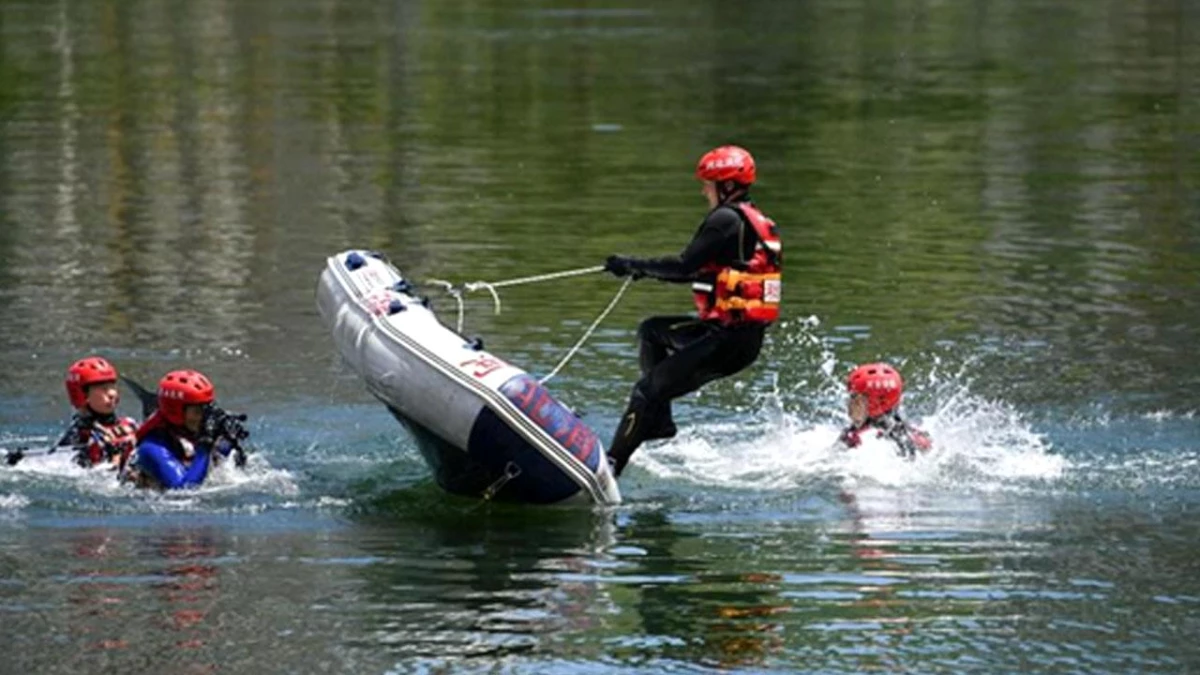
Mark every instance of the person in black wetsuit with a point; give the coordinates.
(875, 391)
(734, 264)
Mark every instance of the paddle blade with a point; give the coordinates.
(148, 399)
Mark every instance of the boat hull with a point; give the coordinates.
(484, 426)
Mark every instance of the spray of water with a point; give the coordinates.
(791, 437)
(58, 475)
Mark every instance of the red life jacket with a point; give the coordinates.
(98, 440)
(745, 291)
(153, 422)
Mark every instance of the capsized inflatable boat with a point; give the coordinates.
(485, 427)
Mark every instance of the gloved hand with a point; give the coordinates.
(851, 438)
(220, 424)
(622, 266)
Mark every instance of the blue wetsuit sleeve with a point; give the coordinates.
(164, 467)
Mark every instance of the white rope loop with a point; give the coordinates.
(456, 293)
(491, 287)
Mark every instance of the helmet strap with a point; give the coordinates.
(728, 190)
(91, 415)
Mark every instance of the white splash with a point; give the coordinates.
(12, 502)
(978, 445)
(258, 476)
(1164, 415)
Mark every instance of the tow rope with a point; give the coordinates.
(457, 293)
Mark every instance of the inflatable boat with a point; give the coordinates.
(485, 427)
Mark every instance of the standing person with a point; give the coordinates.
(875, 391)
(184, 439)
(98, 434)
(734, 263)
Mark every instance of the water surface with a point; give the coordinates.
(1002, 199)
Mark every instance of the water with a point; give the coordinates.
(1000, 199)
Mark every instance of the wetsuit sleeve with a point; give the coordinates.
(850, 438)
(714, 241)
(910, 439)
(162, 465)
(920, 439)
(907, 449)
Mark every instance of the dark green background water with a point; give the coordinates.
(1002, 197)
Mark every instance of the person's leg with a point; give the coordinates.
(723, 351)
(661, 336)
(658, 338)
(640, 415)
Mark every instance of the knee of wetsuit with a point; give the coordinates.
(644, 328)
(642, 394)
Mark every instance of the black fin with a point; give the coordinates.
(148, 398)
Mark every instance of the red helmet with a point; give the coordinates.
(181, 388)
(728, 162)
(880, 383)
(83, 374)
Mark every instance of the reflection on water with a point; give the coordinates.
(106, 599)
(865, 580)
(180, 170)
(463, 580)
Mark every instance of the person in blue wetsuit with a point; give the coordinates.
(186, 437)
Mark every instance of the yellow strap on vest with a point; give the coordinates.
(729, 279)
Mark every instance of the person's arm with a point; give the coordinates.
(711, 241)
(850, 437)
(920, 439)
(910, 439)
(161, 464)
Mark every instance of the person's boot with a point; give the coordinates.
(665, 427)
(625, 440)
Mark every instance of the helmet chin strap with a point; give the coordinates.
(728, 190)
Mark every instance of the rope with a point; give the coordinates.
(536, 278)
(491, 287)
(591, 329)
(456, 293)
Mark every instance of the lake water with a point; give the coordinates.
(1001, 198)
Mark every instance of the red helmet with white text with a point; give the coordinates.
(880, 383)
(728, 162)
(83, 374)
(181, 388)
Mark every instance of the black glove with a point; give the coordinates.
(221, 424)
(622, 266)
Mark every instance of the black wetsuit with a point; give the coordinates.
(909, 440)
(680, 354)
